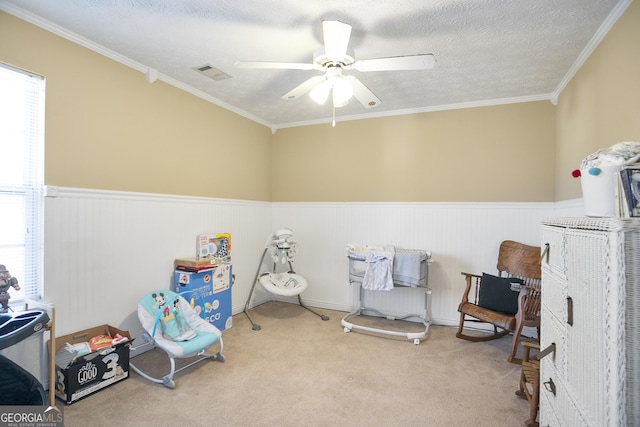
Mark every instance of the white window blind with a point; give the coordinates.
(21, 179)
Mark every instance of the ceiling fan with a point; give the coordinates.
(333, 60)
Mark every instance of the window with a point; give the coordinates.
(21, 179)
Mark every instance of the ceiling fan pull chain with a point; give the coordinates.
(333, 112)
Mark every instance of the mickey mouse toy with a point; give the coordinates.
(6, 281)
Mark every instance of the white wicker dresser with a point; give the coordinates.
(591, 312)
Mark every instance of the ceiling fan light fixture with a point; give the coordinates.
(337, 102)
(320, 92)
(342, 92)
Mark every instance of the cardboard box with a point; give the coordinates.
(215, 288)
(195, 263)
(94, 371)
(214, 246)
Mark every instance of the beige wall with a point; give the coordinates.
(601, 104)
(108, 128)
(488, 154)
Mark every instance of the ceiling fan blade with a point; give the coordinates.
(305, 87)
(278, 65)
(336, 36)
(396, 63)
(362, 93)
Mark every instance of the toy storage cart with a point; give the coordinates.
(357, 268)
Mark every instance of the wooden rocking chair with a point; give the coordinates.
(517, 261)
(530, 381)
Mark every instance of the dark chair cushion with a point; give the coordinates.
(496, 293)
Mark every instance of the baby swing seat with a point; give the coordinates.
(285, 284)
(172, 324)
(282, 248)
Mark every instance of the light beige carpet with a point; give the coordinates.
(302, 371)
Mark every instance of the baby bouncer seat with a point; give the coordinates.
(282, 247)
(174, 325)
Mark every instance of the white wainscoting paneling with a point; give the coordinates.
(104, 250)
(569, 208)
(461, 237)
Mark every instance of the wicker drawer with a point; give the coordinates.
(558, 404)
(547, 416)
(554, 294)
(554, 332)
(554, 237)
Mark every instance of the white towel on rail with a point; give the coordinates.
(378, 271)
(407, 267)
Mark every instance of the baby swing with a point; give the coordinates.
(282, 247)
(174, 325)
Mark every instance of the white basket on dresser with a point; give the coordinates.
(591, 314)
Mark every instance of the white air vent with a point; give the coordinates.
(212, 72)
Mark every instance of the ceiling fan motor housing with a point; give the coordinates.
(321, 58)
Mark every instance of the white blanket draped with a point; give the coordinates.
(378, 274)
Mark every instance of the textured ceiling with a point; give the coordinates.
(487, 51)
